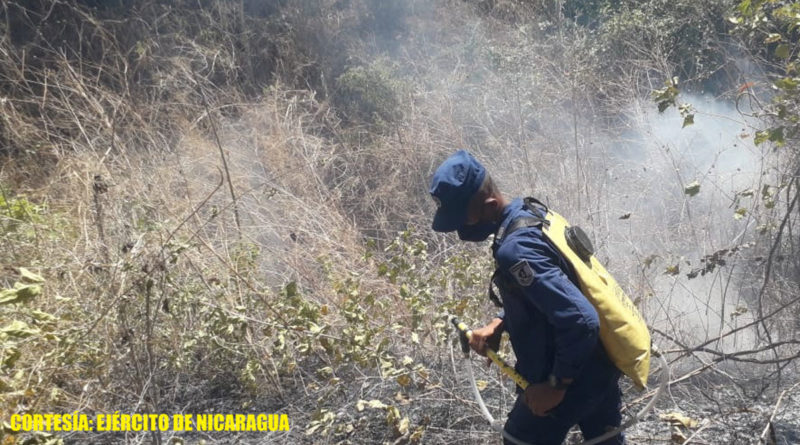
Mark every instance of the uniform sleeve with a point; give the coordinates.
(533, 264)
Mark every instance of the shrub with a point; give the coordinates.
(368, 94)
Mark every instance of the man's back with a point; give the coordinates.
(549, 309)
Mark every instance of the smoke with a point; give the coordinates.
(624, 175)
(518, 97)
(669, 231)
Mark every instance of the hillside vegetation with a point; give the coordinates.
(216, 206)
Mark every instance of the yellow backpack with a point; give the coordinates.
(622, 328)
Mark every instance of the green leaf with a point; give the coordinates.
(665, 97)
(787, 83)
(782, 51)
(11, 357)
(774, 135)
(687, 113)
(692, 189)
(740, 213)
(291, 289)
(383, 269)
(772, 38)
(29, 277)
(761, 137)
(18, 329)
(745, 7)
(43, 316)
(20, 293)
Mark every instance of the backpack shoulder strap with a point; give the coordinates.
(534, 206)
(524, 222)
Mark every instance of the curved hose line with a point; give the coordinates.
(662, 385)
(495, 424)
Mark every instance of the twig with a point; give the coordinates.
(706, 423)
(221, 153)
(768, 267)
(99, 188)
(196, 209)
(763, 436)
(733, 356)
(742, 327)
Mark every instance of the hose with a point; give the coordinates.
(496, 425)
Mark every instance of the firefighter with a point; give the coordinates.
(553, 328)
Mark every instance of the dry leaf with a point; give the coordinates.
(404, 380)
(376, 404)
(678, 419)
(402, 427)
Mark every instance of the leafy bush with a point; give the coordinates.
(772, 28)
(689, 34)
(15, 211)
(368, 94)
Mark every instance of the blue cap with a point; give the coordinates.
(453, 184)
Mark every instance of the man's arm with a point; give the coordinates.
(535, 266)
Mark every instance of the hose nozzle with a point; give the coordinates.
(463, 334)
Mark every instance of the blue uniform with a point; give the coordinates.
(554, 329)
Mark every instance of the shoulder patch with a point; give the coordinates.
(523, 273)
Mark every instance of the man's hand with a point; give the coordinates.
(541, 398)
(487, 337)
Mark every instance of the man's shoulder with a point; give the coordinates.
(523, 243)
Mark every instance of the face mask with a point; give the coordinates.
(476, 232)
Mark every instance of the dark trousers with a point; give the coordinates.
(595, 411)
